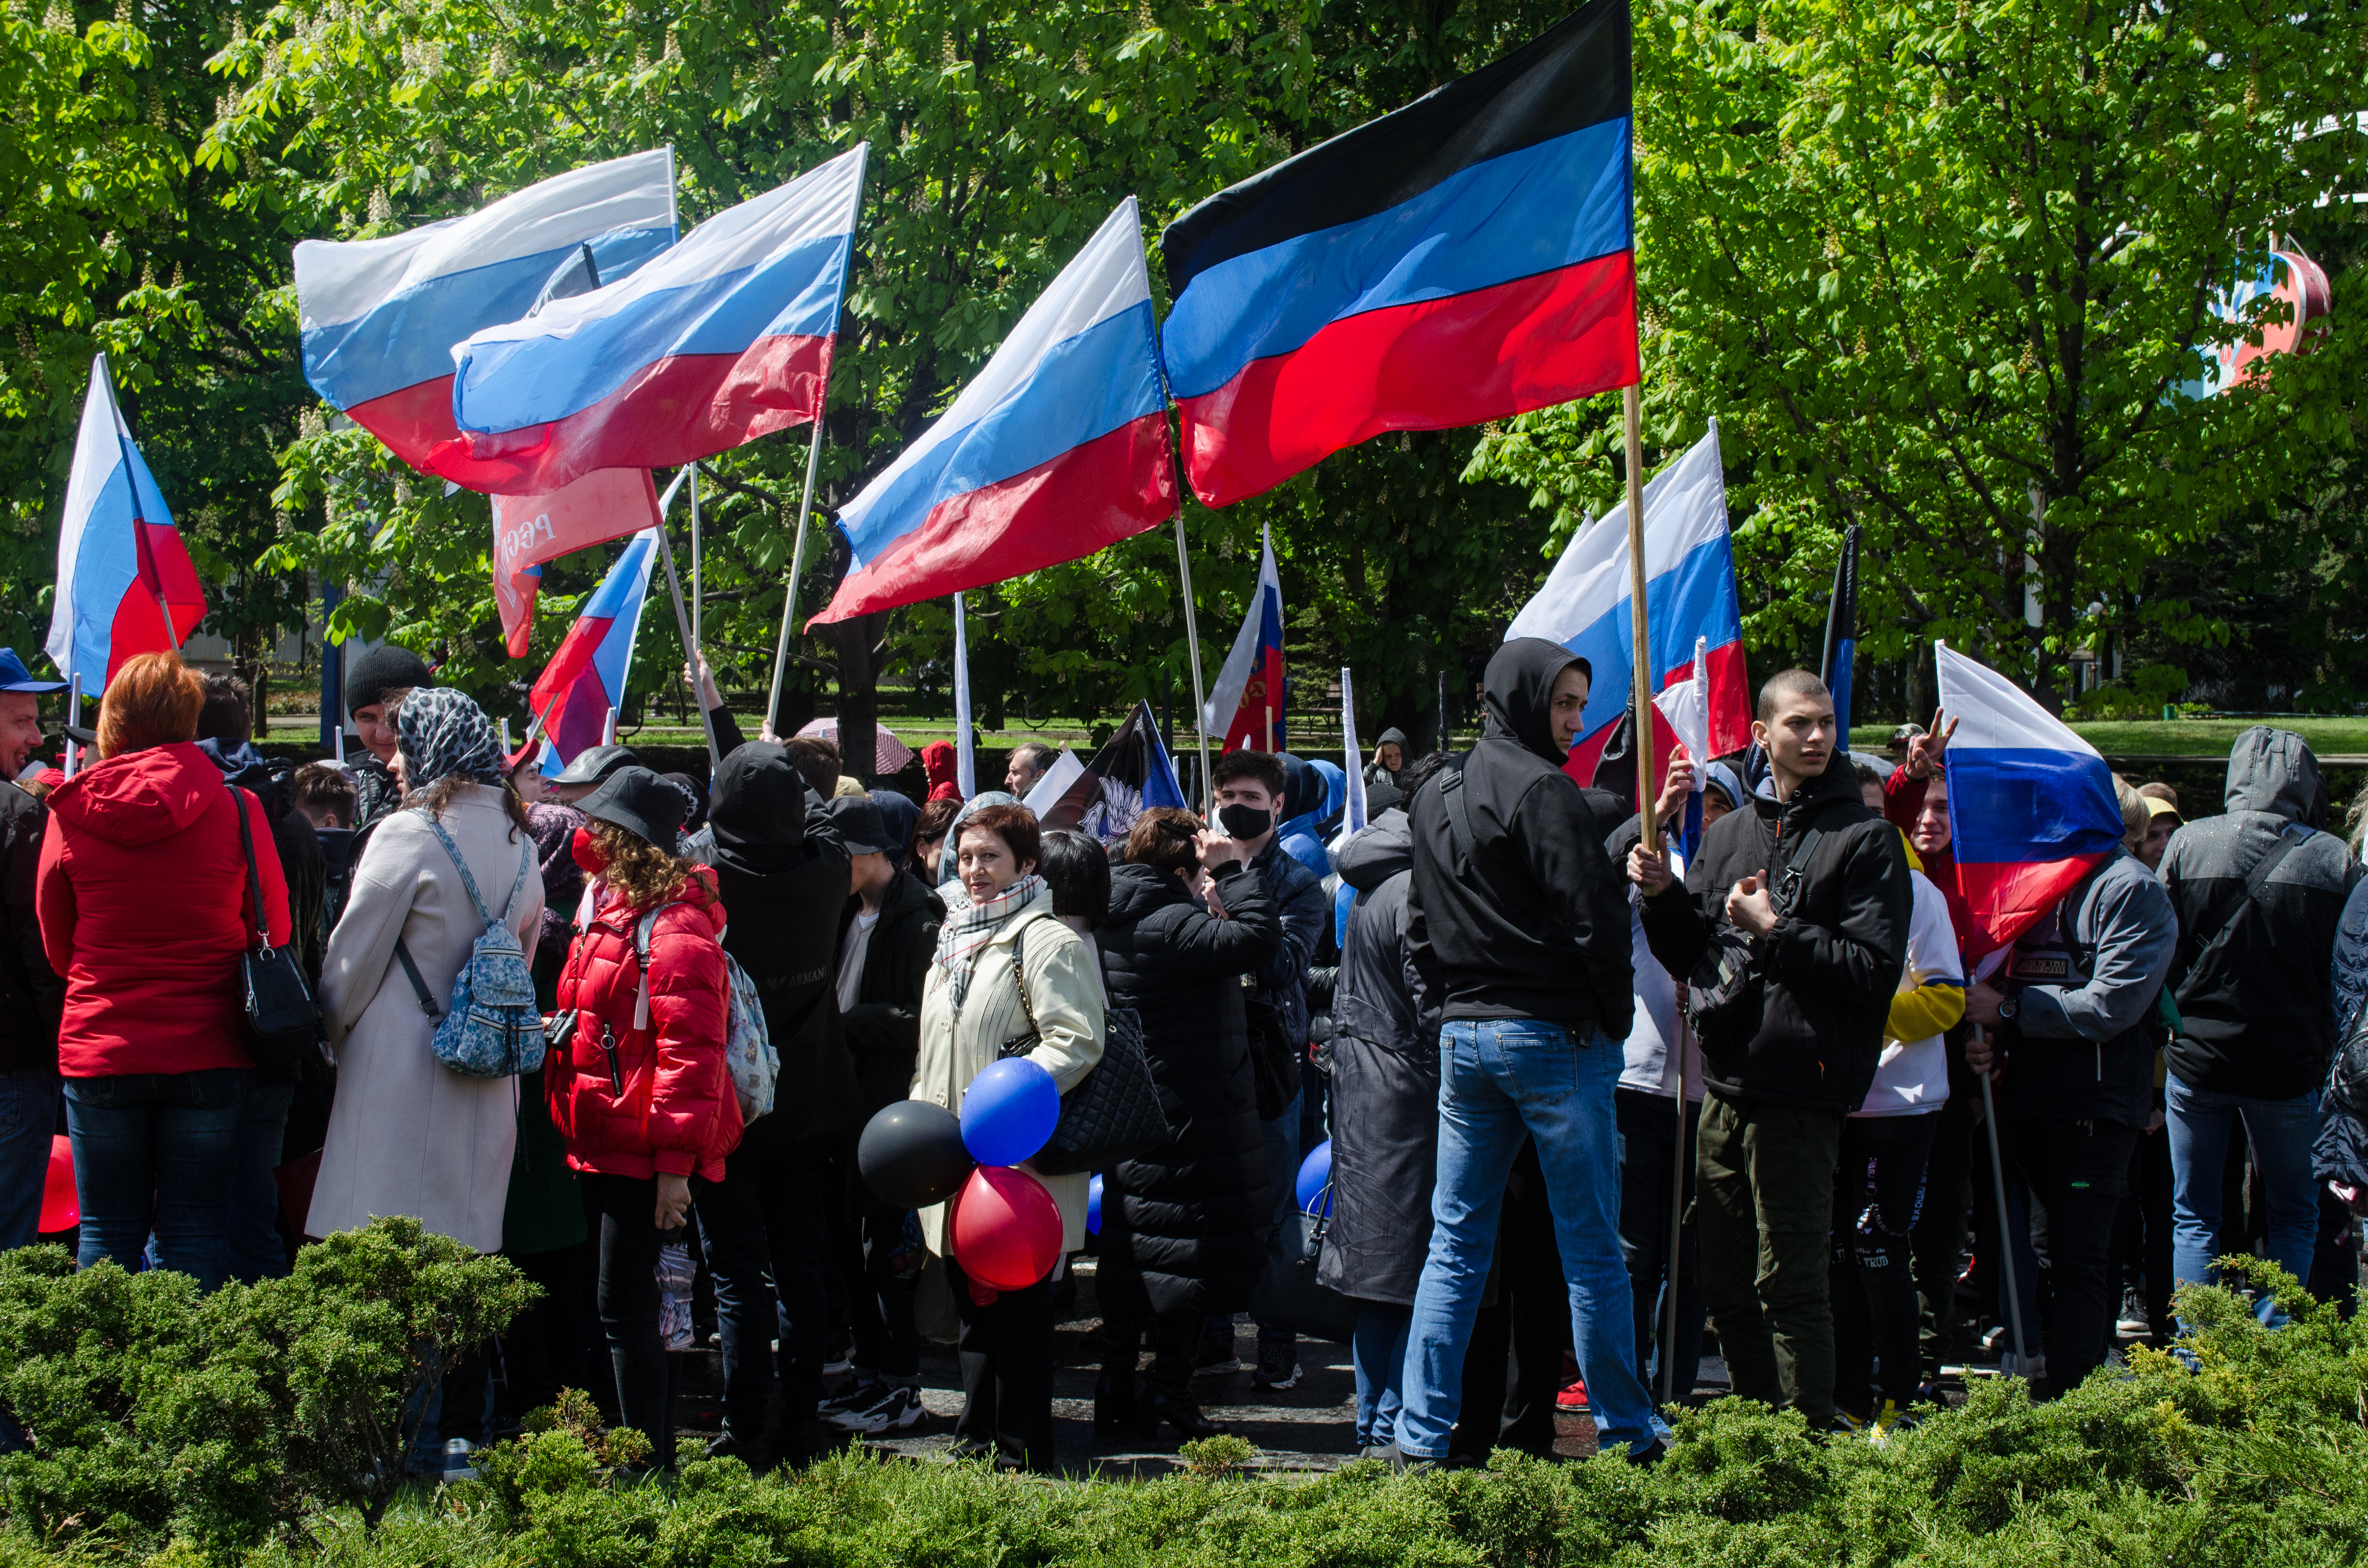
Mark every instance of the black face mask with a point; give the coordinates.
(1244, 822)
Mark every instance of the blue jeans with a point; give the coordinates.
(158, 1150)
(28, 1121)
(1378, 1351)
(1500, 1080)
(255, 1250)
(2201, 1121)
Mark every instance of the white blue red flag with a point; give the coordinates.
(120, 559)
(1246, 702)
(2031, 808)
(380, 317)
(1690, 598)
(587, 677)
(725, 337)
(1058, 447)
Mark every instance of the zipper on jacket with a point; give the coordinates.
(608, 1044)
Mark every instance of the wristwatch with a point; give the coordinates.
(2010, 1004)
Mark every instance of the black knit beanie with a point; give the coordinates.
(374, 672)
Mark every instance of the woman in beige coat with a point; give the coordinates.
(971, 1006)
(408, 1135)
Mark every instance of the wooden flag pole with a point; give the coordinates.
(1192, 643)
(797, 565)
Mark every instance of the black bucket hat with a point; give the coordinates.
(594, 763)
(639, 801)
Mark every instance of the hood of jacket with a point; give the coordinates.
(248, 769)
(1136, 890)
(1380, 852)
(900, 813)
(140, 796)
(2273, 771)
(1393, 736)
(758, 814)
(1518, 694)
(1839, 780)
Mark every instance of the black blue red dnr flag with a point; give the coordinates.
(1468, 257)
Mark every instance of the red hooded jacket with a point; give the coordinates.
(144, 903)
(667, 1107)
(942, 766)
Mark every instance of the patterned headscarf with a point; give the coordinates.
(442, 733)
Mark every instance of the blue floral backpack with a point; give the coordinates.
(494, 1026)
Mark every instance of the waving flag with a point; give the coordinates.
(587, 676)
(1126, 777)
(1058, 447)
(120, 559)
(2030, 804)
(1841, 635)
(1465, 258)
(606, 504)
(380, 317)
(726, 338)
(1246, 703)
(1689, 594)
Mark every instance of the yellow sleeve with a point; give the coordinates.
(1931, 1008)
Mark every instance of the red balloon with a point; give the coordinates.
(1006, 1229)
(61, 1210)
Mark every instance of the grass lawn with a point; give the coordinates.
(2185, 737)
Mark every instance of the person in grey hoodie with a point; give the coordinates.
(2258, 894)
(1389, 763)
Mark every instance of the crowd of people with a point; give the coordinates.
(1592, 1103)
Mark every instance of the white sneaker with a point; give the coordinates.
(459, 1460)
(895, 1411)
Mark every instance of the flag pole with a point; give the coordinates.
(698, 631)
(1631, 421)
(73, 716)
(1192, 642)
(689, 640)
(966, 762)
(797, 565)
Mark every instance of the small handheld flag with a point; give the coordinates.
(379, 316)
(1841, 635)
(125, 586)
(2031, 808)
(1463, 259)
(724, 339)
(581, 690)
(1246, 701)
(1058, 447)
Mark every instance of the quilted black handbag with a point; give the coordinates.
(282, 1020)
(1113, 1113)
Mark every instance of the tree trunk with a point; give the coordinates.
(1923, 688)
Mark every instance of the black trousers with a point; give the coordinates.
(2140, 1259)
(2079, 1172)
(541, 1352)
(1006, 1353)
(1878, 1190)
(767, 1226)
(1649, 1161)
(1174, 1337)
(1936, 1243)
(630, 1238)
(865, 1235)
(1518, 1341)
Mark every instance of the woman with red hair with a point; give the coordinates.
(145, 909)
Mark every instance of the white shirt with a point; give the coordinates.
(851, 963)
(1913, 1075)
(1651, 1066)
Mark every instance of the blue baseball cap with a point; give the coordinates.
(14, 677)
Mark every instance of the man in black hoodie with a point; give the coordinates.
(1819, 886)
(782, 875)
(1519, 925)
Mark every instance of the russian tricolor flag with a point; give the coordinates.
(2031, 808)
(587, 676)
(725, 337)
(1246, 704)
(1690, 599)
(1058, 447)
(121, 560)
(380, 317)
(1463, 259)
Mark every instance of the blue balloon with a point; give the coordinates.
(1009, 1112)
(1315, 1185)
(1094, 1205)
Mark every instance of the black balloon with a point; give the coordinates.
(912, 1155)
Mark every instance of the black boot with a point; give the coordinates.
(1177, 1410)
(1114, 1408)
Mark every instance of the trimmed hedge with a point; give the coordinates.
(2257, 1458)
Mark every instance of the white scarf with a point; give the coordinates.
(966, 932)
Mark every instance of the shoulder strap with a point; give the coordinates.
(260, 937)
(1019, 974)
(641, 930)
(2255, 880)
(1458, 814)
(467, 881)
(419, 987)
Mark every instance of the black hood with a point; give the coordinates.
(1393, 735)
(1302, 788)
(248, 769)
(1380, 852)
(758, 811)
(1136, 890)
(1519, 694)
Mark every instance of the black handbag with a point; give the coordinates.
(1290, 1298)
(1113, 1114)
(283, 1022)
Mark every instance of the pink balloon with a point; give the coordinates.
(61, 1210)
(1006, 1229)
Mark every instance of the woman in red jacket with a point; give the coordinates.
(145, 910)
(642, 1092)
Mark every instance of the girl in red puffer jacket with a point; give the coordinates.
(642, 1092)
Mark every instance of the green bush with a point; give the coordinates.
(157, 1413)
